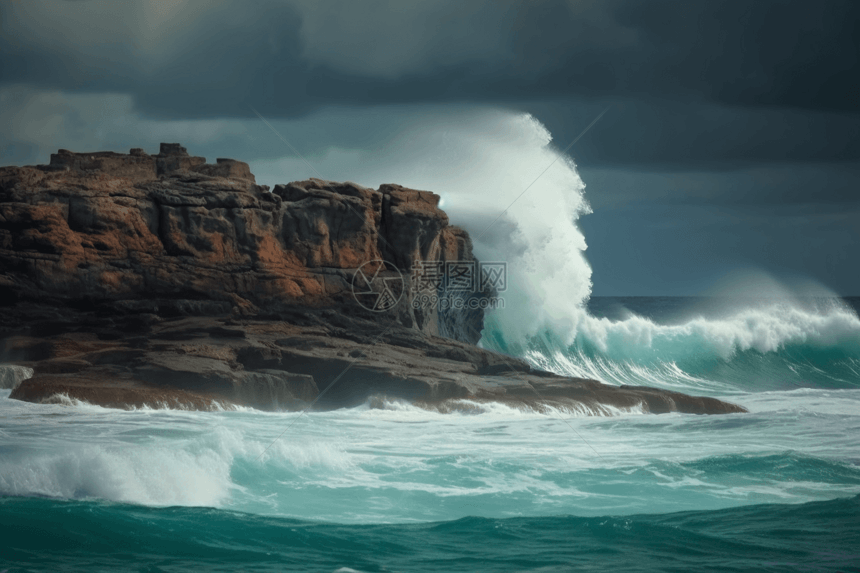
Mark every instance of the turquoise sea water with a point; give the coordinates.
(97, 536)
(390, 487)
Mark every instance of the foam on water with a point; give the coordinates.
(149, 476)
(390, 462)
(390, 409)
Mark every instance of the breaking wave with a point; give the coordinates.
(774, 345)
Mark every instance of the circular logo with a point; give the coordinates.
(377, 288)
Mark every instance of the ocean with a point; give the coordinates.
(485, 487)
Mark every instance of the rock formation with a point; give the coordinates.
(170, 233)
(129, 280)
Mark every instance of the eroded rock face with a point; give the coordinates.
(170, 232)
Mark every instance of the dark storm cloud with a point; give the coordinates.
(685, 249)
(777, 190)
(683, 136)
(211, 67)
(693, 84)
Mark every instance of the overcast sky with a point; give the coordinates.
(730, 140)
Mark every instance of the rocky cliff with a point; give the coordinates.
(172, 234)
(136, 279)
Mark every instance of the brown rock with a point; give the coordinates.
(120, 228)
(151, 280)
(335, 362)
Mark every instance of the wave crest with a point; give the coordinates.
(770, 345)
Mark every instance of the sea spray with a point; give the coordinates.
(500, 177)
(12, 375)
(528, 219)
(503, 178)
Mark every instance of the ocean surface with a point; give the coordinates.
(390, 487)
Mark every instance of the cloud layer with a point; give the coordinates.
(716, 84)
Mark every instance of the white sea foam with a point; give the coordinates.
(769, 328)
(63, 399)
(640, 351)
(397, 462)
(399, 410)
(144, 475)
(11, 375)
(517, 175)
